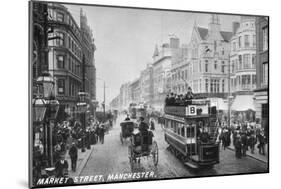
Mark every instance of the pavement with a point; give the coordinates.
(81, 161)
(256, 155)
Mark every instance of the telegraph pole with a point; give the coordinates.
(45, 35)
(229, 93)
(104, 100)
(83, 116)
(83, 73)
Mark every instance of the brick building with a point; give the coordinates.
(262, 71)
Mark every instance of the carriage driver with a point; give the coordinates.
(143, 131)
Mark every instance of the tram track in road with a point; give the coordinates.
(168, 163)
(112, 158)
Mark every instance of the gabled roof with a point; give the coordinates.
(226, 35)
(203, 32)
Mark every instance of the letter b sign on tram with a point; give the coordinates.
(191, 110)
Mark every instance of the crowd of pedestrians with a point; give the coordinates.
(71, 138)
(245, 137)
(68, 137)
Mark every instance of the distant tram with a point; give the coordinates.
(141, 111)
(133, 110)
(190, 132)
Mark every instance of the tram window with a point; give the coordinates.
(175, 127)
(166, 124)
(190, 131)
(178, 127)
(182, 131)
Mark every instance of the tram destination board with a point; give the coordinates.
(127, 94)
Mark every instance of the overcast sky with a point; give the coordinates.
(126, 38)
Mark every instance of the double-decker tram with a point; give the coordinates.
(141, 111)
(133, 110)
(190, 130)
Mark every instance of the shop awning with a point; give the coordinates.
(243, 103)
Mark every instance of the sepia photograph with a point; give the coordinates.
(126, 94)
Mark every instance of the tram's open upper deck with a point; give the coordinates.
(198, 107)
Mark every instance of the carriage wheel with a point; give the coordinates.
(131, 156)
(121, 138)
(155, 154)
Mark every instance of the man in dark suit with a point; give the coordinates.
(143, 137)
(73, 153)
(189, 95)
(172, 99)
(244, 143)
(101, 133)
(61, 166)
(143, 126)
(238, 146)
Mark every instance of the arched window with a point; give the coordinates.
(215, 64)
(222, 86)
(222, 66)
(206, 66)
(247, 40)
(206, 85)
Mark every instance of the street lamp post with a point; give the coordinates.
(82, 106)
(229, 97)
(104, 100)
(95, 104)
(45, 108)
(53, 106)
(39, 109)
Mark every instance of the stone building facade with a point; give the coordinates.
(66, 56)
(146, 85)
(243, 56)
(209, 57)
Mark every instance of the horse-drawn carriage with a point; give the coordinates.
(142, 145)
(127, 129)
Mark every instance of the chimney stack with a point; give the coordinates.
(235, 26)
(174, 42)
